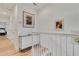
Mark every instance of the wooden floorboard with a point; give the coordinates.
(7, 49)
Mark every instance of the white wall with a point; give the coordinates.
(28, 8)
(19, 21)
(46, 20)
(12, 28)
(49, 14)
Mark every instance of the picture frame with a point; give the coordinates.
(59, 24)
(28, 20)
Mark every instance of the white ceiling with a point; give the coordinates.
(10, 6)
(40, 6)
(7, 8)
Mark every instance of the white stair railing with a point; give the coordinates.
(54, 44)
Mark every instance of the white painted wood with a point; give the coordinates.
(76, 45)
(53, 47)
(58, 43)
(26, 42)
(44, 40)
(26, 45)
(75, 42)
(50, 44)
(63, 45)
(76, 49)
(69, 46)
(35, 39)
(27, 39)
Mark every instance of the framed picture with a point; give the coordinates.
(28, 20)
(59, 25)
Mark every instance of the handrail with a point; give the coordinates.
(37, 33)
(25, 35)
(72, 34)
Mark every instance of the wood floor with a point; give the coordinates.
(7, 49)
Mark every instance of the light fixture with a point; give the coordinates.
(34, 4)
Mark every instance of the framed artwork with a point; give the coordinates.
(59, 25)
(28, 20)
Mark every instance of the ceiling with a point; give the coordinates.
(40, 6)
(7, 8)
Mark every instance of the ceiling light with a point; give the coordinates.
(34, 4)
